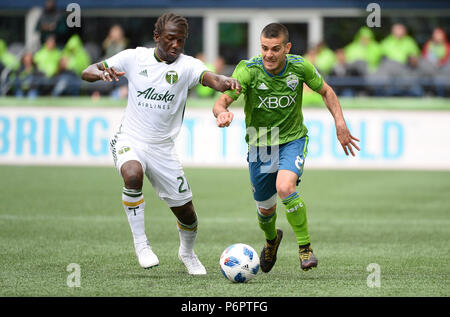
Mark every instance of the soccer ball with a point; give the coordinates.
(239, 263)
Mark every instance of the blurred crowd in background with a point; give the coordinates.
(393, 66)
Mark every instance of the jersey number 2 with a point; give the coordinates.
(182, 180)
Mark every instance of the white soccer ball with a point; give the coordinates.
(239, 263)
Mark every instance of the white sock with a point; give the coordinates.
(134, 205)
(188, 234)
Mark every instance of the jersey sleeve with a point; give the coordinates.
(242, 74)
(198, 68)
(121, 60)
(312, 77)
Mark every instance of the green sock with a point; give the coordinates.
(296, 216)
(267, 224)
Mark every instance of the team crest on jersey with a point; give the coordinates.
(124, 149)
(143, 73)
(171, 77)
(292, 81)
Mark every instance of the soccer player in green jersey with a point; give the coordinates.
(272, 84)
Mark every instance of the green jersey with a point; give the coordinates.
(273, 103)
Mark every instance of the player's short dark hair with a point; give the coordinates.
(273, 30)
(178, 20)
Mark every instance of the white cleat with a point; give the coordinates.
(147, 259)
(192, 263)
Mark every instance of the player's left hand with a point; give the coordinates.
(346, 139)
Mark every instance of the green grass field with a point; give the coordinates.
(53, 216)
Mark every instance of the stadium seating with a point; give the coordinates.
(416, 77)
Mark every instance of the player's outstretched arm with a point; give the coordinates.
(98, 71)
(220, 83)
(220, 111)
(343, 134)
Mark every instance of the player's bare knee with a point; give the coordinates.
(285, 189)
(133, 180)
(267, 212)
(133, 175)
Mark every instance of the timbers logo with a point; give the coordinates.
(171, 77)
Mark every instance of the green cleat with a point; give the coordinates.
(269, 253)
(307, 258)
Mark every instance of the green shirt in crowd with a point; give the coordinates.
(399, 49)
(77, 57)
(364, 48)
(6, 58)
(47, 60)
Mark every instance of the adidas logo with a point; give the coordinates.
(143, 73)
(263, 86)
(245, 267)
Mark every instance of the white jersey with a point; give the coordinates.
(157, 92)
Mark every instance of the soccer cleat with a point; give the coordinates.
(192, 263)
(147, 259)
(307, 258)
(269, 253)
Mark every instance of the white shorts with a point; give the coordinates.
(160, 164)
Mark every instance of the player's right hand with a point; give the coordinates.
(224, 119)
(111, 74)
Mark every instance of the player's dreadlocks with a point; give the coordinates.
(170, 17)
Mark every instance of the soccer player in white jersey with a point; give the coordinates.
(158, 82)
